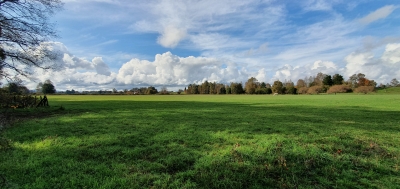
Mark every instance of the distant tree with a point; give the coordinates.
(12, 88)
(327, 80)
(70, 91)
(228, 90)
(151, 90)
(236, 88)
(291, 90)
(39, 87)
(192, 89)
(277, 87)
(114, 90)
(353, 81)
(164, 90)
(309, 81)
(319, 79)
(301, 83)
(339, 89)
(337, 79)
(204, 88)
(48, 87)
(394, 82)
(221, 88)
(356, 79)
(263, 85)
(363, 82)
(213, 88)
(251, 85)
(269, 91)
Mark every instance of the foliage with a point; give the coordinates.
(337, 79)
(339, 89)
(290, 90)
(394, 82)
(364, 89)
(164, 91)
(48, 87)
(301, 83)
(151, 90)
(236, 88)
(327, 80)
(251, 85)
(25, 27)
(277, 87)
(324, 141)
(318, 79)
(316, 89)
(302, 90)
(15, 87)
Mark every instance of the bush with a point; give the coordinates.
(315, 89)
(339, 89)
(364, 89)
(302, 90)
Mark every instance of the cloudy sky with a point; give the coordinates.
(122, 44)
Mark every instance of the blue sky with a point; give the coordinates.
(125, 44)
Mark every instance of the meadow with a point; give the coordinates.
(206, 141)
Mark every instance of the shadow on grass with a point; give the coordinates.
(205, 145)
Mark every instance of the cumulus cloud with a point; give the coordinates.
(169, 69)
(392, 53)
(73, 71)
(378, 14)
(289, 72)
(379, 67)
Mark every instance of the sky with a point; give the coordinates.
(122, 44)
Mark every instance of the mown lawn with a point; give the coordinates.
(207, 141)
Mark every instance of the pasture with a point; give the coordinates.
(206, 141)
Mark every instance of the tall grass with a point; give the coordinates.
(207, 141)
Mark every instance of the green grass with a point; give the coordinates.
(207, 141)
(390, 90)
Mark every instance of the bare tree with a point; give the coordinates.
(24, 27)
(394, 82)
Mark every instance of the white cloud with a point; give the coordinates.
(171, 36)
(288, 72)
(319, 5)
(100, 66)
(169, 69)
(209, 22)
(378, 14)
(392, 53)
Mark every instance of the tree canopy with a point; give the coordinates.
(48, 87)
(24, 27)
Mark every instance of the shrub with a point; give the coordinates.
(315, 89)
(364, 89)
(302, 90)
(339, 89)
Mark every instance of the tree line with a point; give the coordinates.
(321, 83)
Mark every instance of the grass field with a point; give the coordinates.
(209, 141)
